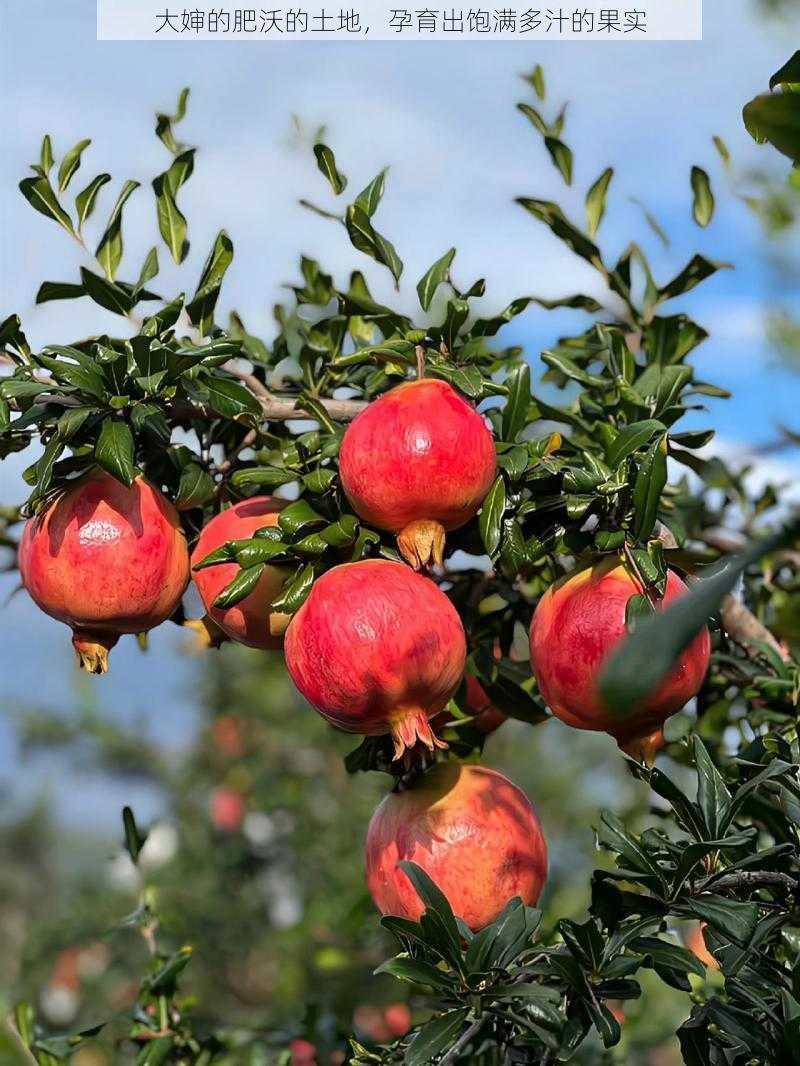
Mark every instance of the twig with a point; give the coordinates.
(463, 1040)
(284, 408)
(751, 879)
(742, 626)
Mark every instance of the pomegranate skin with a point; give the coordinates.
(106, 559)
(576, 625)
(471, 830)
(251, 621)
(377, 649)
(418, 454)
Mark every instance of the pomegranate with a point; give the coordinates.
(227, 808)
(577, 623)
(418, 462)
(377, 649)
(250, 621)
(106, 559)
(471, 830)
(695, 941)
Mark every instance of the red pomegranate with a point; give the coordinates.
(471, 830)
(417, 462)
(251, 621)
(576, 625)
(377, 649)
(227, 809)
(106, 559)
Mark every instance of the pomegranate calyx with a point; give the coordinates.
(206, 633)
(644, 747)
(92, 649)
(421, 543)
(411, 727)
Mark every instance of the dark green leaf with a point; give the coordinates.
(241, 586)
(491, 516)
(230, 399)
(147, 273)
(70, 163)
(535, 118)
(201, 308)
(775, 118)
(433, 278)
(371, 195)
(114, 450)
(58, 290)
(368, 240)
(326, 161)
(515, 412)
(647, 489)
(734, 919)
(294, 592)
(171, 222)
(39, 194)
(435, 1037)
(106, 293)
(85, 201)
(416, 972)
(631, 438)
(134, 839)
(109, 250)
(696, 271)
(552, 216)
(713, 797)
(196, 487)
(561, 156)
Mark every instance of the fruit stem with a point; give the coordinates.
(419, 351)
(92, 649)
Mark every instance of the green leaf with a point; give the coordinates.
(435, 1037)
(295, 591)
(488, 327)
(416, 972)
(39, 194)
(644, 658)
(596, 201)
(134, 839)
(46, 155)
(372, 194)
(536, 79)
(267, 476)
(552, 216)
(703, 204)
(109, 250)
(201, 308)
(788, 77)
(775, 118)
(326, 161)
(631, 438)
(433, 278)
(58, 290)
(147, 273)
(436, 904)
(106, 293)
(696, 271)
(85, 201)
(230, 399)
(561, 156)
(43, 469)
(734, 919)
(70, 163)
(171, 221)
(298, 516)
(196, 487)
(535, 118)
(164, 123)
(515, 412)
(722, 149)
(647, 489)
(713, 796)
(241, 586)
(114, 450)
(368, 240)
(491, 516)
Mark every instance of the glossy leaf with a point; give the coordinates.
(326, 161)
(433, 277)
(70, 163)
(114, 450)
(703, 203)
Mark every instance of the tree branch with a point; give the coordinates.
(284, 408)
(752, 879)
(742, 626)
(463, 1040)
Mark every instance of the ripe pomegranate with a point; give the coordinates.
(417, 462)
(227, 809)
(577, 623)
(472, 831)
(377, 649)
(106, 559)
(250, 621)
(695, 941)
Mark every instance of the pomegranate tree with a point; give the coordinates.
(471, 830)
(577, 623)
(251, 621)
(377, 648)
(418, 462)
(107, 559)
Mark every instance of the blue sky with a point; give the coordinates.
(442, 117)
